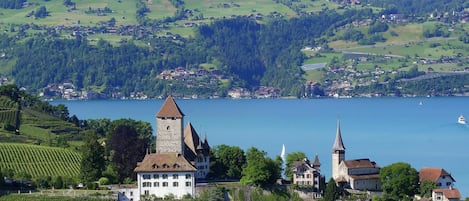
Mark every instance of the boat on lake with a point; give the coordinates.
(461, 120)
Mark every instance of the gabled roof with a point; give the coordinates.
(170, 109)
(360, 163)
(164, 162)
(338, 143)
(449, 193)
(433, 174)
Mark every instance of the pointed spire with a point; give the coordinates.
(316, 162)
(338, 143)
(170, 109)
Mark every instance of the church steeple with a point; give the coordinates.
(338, 143)
(338, 152)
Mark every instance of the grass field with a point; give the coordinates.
(39, 160)
(123, 12)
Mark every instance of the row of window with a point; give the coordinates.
(164, 176)
(303, 182)
(163, 184)
(303, 176)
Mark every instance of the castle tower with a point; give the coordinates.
(316, 163)
(338, 152)
(169, 128)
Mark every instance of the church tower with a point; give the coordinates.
(338, 152)
(169, 128)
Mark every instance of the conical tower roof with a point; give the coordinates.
(338, 143)
(170, 109)
(316, 162)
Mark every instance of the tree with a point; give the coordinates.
(227, 162)
(399, 181)
(426, 188)
(331, 193)
(92, 164)
(260, 170)
(41, 12)
(58, 182)
(126, 149)
(292, 157)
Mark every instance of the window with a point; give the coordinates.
(308, 176)
(188, 183)
(156, 184)
(156, 176)
(131, 193)
(165, 184)
(146, 192)
(188, 176)
(165, 176)
(175, 176)
(448, 183)
(146, 176)
(175, 184)
(146, 184)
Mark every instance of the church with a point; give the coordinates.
(357, 174)
(181, 159)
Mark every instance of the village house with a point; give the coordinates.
(440, 176)
(444, 181)
(307, 174)
(180, 161)
(446, 195)
(356, 174)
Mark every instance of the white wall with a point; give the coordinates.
(149, 184)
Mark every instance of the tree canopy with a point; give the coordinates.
(126, 149)
(399, 181)
(260, 169)
(227, 162)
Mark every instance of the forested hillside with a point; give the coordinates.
(255, 54)
(81, 49)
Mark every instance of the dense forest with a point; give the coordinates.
(253, 54)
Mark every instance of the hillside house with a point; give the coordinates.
(440, 176)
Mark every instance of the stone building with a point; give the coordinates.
(180, 161)
(357, 174)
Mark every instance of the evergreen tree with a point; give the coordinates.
(92, 164)
(331, 193)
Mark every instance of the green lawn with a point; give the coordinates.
(123, 12)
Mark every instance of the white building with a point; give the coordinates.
(440, 176)
(180, 160)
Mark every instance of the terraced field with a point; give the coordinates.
(39, 160)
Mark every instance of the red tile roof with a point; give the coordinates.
(432, 174)
(170, 109)
(164, 162)
(449, 193)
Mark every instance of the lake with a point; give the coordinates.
(421, 131)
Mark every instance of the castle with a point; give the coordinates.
(181, 159)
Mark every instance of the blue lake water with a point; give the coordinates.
(386, 130)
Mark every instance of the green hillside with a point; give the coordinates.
(39, 160)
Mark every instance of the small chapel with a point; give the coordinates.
(357, 174)
(181, 159)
